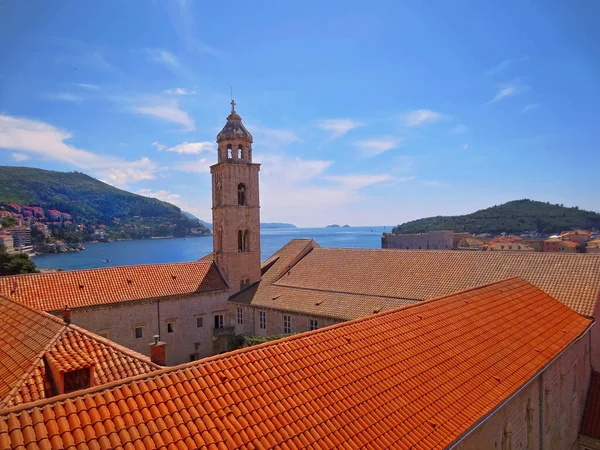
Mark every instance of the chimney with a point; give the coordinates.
(157, 351)
(66, 315)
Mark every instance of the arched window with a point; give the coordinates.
(246, 241)
(240, 241)
(241, 194)
(229, 152)
(240, 152)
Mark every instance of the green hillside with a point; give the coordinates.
(513, 217)
(88, 200)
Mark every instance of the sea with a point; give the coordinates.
(153, 251)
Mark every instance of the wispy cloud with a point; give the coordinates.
(421, 117)
(531, 107)
(435, 183)
(509, 90)
(64, 97)
(91, 87)
(373, 147)
(464, 147)
(45, 140)
(358, 181)
(163, 57)
(168, 111)
(273, 138)
(338, 127)
(160, 147)
(179, 91)
(186, 27)
(200, 166)
(164, 195)
(459, 129)
(20, 157)
(189, 148)
(503, 65)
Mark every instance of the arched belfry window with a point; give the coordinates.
(243, 241)
(242, 195)
(229, 152)
(240, 153)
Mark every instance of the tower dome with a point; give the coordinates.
(234, 129)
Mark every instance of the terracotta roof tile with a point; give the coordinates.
(31, 341)
(371, 275)
(591, 416)
(419, 377)
(81, 288)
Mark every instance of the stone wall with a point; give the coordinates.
(118, 322)
(274, 321)
(550, 408)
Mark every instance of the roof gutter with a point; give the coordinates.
(483, 419)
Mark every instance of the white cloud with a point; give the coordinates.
(200, 166)
(373, 147)
(64, 97)
(421, 117)
(20, 156)
(459, 129)
(531, 107)
(168, 111)
(165, 196)
(179, 91)
(89, 86)
(272, 138)
(295, 170)
(508, 90)
(160, 147)
(358, 181)
(498, 68)
(338, 127)
(163, 57)
(191, 148)
(464, 147)
(42, 139)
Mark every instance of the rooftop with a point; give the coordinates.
(378, 276)
(32, 342)
(419, 376)
(93, 287)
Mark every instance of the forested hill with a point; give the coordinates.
(513, 217)
(87, 200)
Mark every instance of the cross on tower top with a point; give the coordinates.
(233, 105)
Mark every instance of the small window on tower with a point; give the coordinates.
(241, 194)
(239, 152)
(246, 241)
(229, 153)
(240, 241)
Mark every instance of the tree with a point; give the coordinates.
(8, 222)
(15, 264)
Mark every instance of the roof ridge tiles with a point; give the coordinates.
(223, 357)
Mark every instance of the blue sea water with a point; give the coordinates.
(152, 251)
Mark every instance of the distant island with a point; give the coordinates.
(73, 208)
(335, 225)
(268, 225)
(346, 226)
(519, 216)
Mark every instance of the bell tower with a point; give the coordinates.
(235, 205)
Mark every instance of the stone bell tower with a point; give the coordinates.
(236, 213)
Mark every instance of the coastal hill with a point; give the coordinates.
(90, 201)
(513, 217)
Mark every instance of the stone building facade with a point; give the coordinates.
(236, 206)
(434, 240)
(545, 413)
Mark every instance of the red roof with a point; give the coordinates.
(32, 341)
(419, 376)
(81, 288)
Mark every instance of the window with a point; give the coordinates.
(313, 325)
(241, 194)
(240, 316)
(243, 241)
(262, 320)
(76, 380)
(104, 333)
(239, 152)
(138, 332)
(199, 322)
(219, 322)
(246, 241)
(240, 241)
(229, 153)
(170, 327)
(287, 324)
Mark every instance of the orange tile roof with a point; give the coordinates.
(81, 288)
(570, 244)
(416, 377)
(573, 279)
(31, 341)
(590, 425)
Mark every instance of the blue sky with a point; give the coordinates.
(366, 113)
